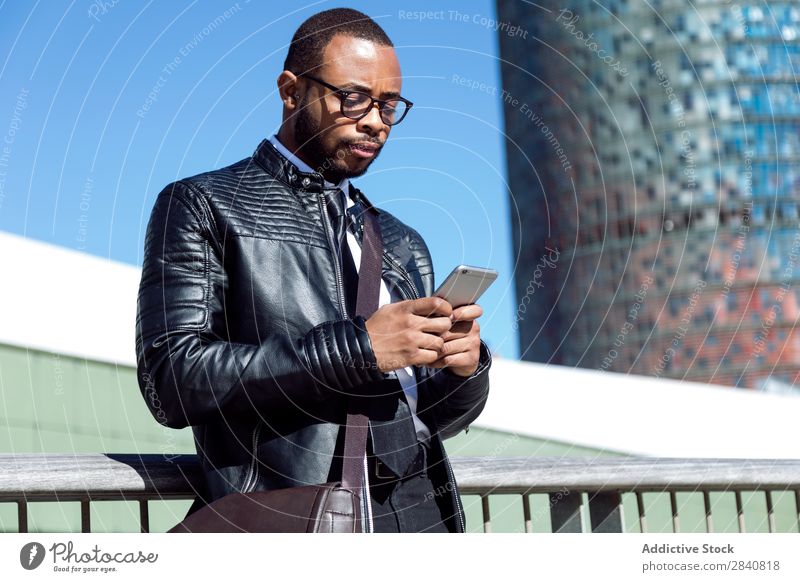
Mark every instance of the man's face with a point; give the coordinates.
(334, 145)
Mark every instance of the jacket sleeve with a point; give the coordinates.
(188, 372)
(456, 401)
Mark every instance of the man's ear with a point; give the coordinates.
(288, 89)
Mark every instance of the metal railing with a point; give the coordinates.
(579, 489)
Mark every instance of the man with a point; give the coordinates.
(246, 328)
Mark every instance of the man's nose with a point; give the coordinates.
(372, 122)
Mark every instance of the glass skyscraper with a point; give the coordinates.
(654, 171)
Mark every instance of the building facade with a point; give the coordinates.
(654, 149)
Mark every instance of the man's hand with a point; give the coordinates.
(409, 333)
(462, 342)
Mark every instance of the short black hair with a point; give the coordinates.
(311, 38)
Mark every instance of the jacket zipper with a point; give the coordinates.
(336, 265)
(406, 277)
(366, 500)
(251, 479)
(454, 492)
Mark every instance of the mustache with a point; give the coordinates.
(372, 142)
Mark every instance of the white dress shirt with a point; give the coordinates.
(405, 375)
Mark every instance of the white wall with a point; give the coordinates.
(640, 414)
(67, 302)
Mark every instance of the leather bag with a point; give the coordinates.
(325, 508)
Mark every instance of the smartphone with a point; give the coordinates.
(465, 284)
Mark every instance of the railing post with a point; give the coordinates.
(526, 512)
(641, 509)
(144, 516)
(673, 504)
(565, 512)
(797, 507)
(740, 511)
(22, 516)
(709, 518)
(770, 512)
(487, 518)
(605, 511)
(86, 517)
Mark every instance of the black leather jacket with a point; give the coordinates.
(242, 333)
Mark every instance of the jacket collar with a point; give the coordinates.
(277, 165)
(344, 183)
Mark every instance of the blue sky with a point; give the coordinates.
(86, 148)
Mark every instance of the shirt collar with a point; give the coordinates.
(343, 185)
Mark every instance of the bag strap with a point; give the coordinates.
(369, 286)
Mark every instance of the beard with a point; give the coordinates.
(328, 161)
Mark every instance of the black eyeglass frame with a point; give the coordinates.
(343, 93)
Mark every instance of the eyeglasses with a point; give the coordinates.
(356, 104)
